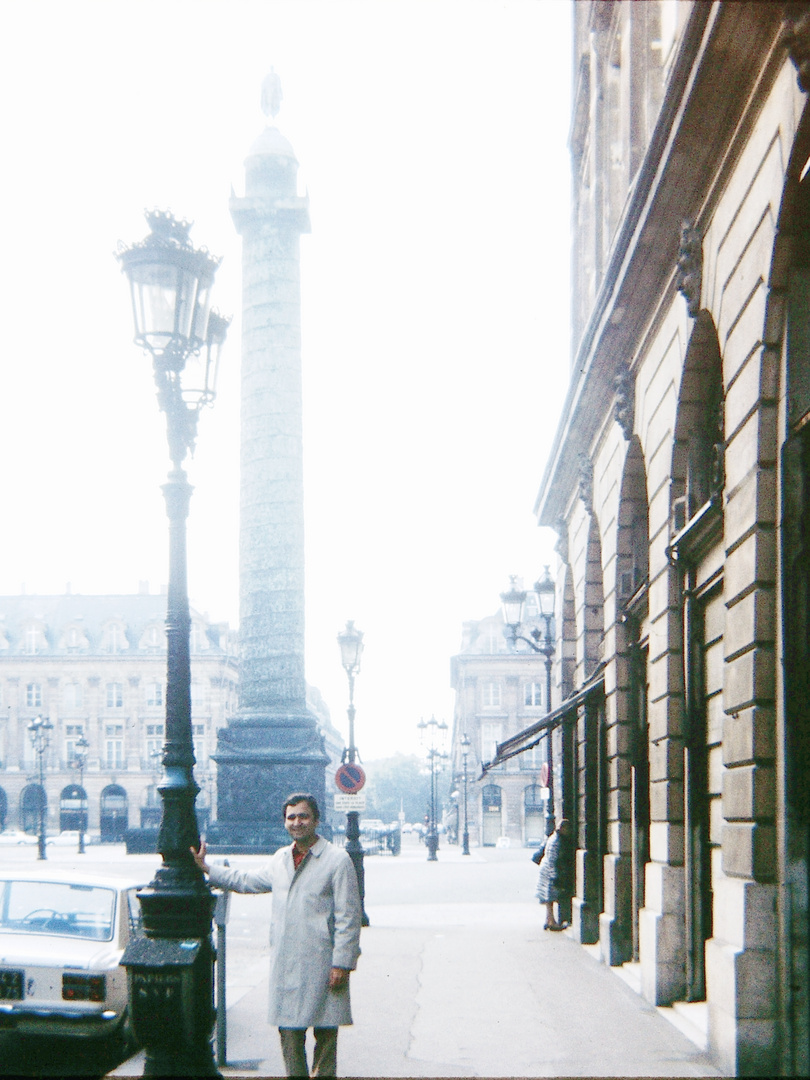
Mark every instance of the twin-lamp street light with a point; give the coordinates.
(513, 600)
(39, 731)
(431, 736)
(350, 641)
(171, 970)
(80, 748)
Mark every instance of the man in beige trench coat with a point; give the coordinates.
(314, 935)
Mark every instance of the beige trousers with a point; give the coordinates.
(324, 1060)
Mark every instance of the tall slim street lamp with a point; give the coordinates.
(171, 970)
(431, 736)
(350, 641)
(465, 749)
(513, 600)
(80, 748)
(39, 731)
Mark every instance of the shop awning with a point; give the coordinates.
(534, 734)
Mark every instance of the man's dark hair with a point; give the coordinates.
(298, 797)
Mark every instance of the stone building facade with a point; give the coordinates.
(95, 667)
(679, 486)
(498, 691)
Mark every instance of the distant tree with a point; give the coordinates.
(400, 781)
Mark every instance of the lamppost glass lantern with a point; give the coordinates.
(545, 589)
(350, 641)
(512, 601)
(170, 284)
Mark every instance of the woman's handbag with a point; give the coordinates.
(538, 855)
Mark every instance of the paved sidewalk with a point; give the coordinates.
(450, 987)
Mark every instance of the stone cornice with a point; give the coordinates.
(729, 56)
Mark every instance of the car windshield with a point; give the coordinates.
(57, 907)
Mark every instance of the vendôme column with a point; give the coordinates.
(272, 747)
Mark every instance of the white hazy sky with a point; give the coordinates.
(432, 141)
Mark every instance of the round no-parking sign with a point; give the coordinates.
(350, 778)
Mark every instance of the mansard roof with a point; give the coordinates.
(93, 616)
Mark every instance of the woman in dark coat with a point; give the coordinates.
(555, 881)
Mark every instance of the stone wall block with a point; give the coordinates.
(619, 740)
(665, 676)
(745, 914)
(666, 760)
(663, 593)
(749, 679)
(666, 842)
(749, 851)
(619, 774)
(749, 735)
(664, 888)
(749, 793)
(750, 621)
(754, 382)
(751, 562)
(665, 717)
(663, 974)
(666, 801)
(753, 503)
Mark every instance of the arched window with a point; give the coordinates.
(33, 804)
(114, 814)
(73, 809)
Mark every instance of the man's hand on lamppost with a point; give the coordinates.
(338, 978)
(199, 857)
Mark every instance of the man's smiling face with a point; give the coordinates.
(300, 823)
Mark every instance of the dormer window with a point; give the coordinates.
(198, 640)
(153, 638)
(73, 639)
(114, 638)
(34, 640)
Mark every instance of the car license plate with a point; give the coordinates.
(11, 985)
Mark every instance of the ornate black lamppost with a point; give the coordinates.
(39, 731)
(431, 736)
(465, 749)
(171, 970)
(80, 748)
(350, 641)
(513, 600)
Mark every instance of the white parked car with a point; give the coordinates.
(62, 934)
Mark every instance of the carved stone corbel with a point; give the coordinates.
(796, 39)
(561, 547)
(690, 267)
(624, 407)
(586, 481)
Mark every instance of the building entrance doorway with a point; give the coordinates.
(73, 809)
(704, 665)
(534, 815)
(114, 814)
(639, 787)
(33, 805)
(490, 815)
